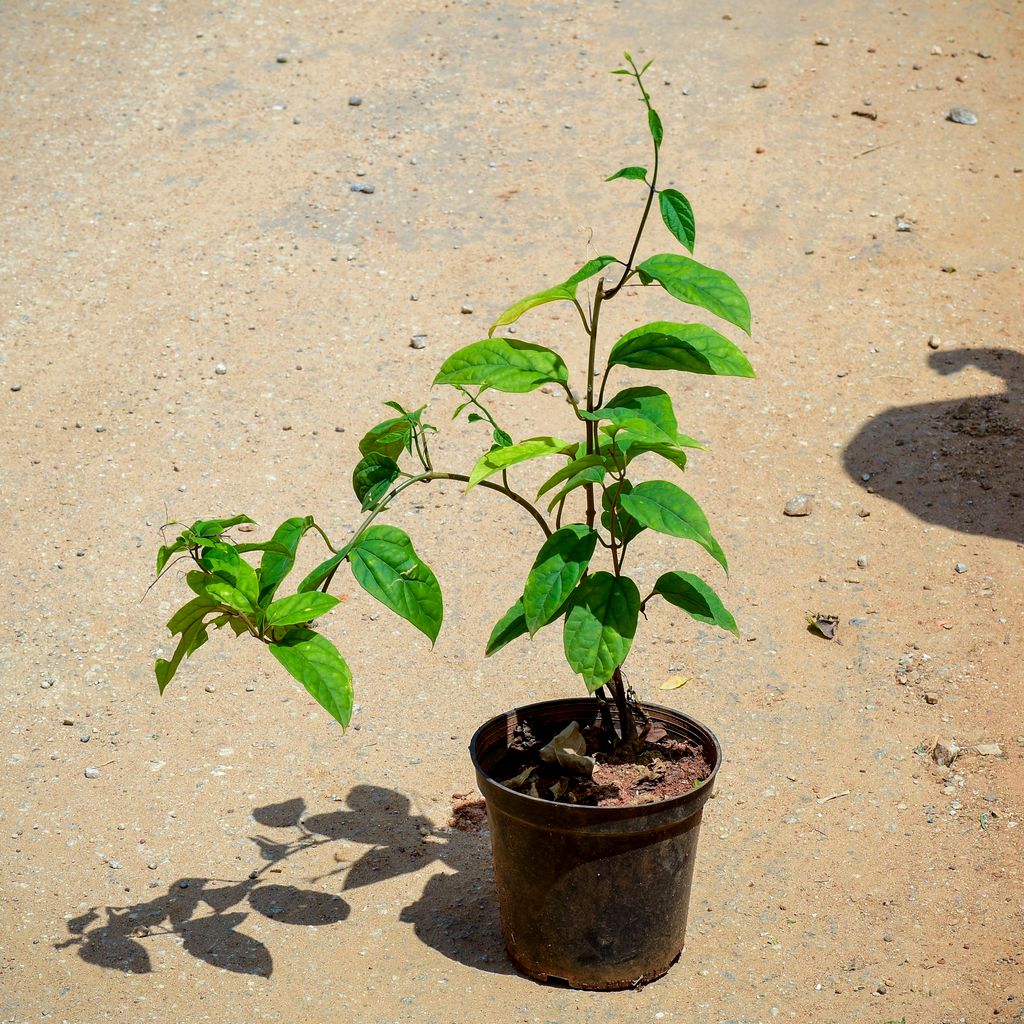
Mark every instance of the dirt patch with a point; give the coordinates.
(469, 813)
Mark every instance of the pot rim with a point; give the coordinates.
(700, 794)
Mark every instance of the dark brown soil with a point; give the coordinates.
(469, 813)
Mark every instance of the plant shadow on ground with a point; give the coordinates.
(455, 914)
(953, 463)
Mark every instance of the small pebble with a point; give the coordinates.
(15, 387)
(418, 341)
(92, 773)
(46, 683)
(355, 101)
(960, 567)
(366, 189)
(862, 561)
(759, 83)
(822, 41)
(936, 51)
(114, 865)
(282, 58)
(210, 688)
(182, 488)
(799, 505)
(934, 341)
(339, 430)
(68, 721)
(100, 428)
(250, 688)
(989, 749)
(220, 369)
(863, 513)
(945, 752)
(931, 698)
(151, 865)
(961, 115)
(466, 308)
(85, 737)
(902, 225)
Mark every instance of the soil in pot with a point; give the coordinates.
(584, 773)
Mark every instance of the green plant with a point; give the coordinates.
(599, 608)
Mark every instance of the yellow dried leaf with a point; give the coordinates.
(675, 682)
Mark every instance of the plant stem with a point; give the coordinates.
(591, 426)
(627, 724)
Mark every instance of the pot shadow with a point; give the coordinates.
(456, 913)
(954, 463)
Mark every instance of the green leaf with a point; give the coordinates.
(503, 364)
(223, 561)
(322, 571)
(692, 348)
(559, 566)
(372, 478)
(574, 467)
(315, 662)
(224, 593)
(677, 214)
(696, 598)
(630, 173)
(299, 608)
(501, 458)
(600, 626)
(672, 453)
(278, 561)
(626, 527)
(566, 291)
(215, 527)
(591, 475)
(188, 622)
(386, 567)
(510, 626)
(669, 509)
(692, 282)
(391, 437)
(645, 412)
(654, 122)
(166, 550)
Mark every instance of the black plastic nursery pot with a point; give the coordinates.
(593, 896)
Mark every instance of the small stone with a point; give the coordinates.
(418, 341)
(759, 149)
(961, 115)
(983, 54)
(339, 430)
(863, 513)
(250, 688)
(935, 341)
(799, 505)
(183, 885)
(822, 41)
(989, 750)
(931, 698)
(759, 83)
(182, 488)
(92, 773)
(15, 387)
(936, 51)
(114, 865)
(945, 752)
(282, 58)
(151, 865)
(85, 737)
(960, 567)
(220, 369)
(100, 428)
(466, 308)
(365, 189)
(902, 225)
(210, 688)
(355, 101)
(68, 721)
(862, 561)
(45, 684)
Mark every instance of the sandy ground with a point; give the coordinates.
(176, 196)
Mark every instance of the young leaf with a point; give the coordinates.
(654, 122)
(510, 626)
(166, 550)
(626, 527)
(315, 662)
(559, 566)
(387, 568)
(692, 348)
(669, 509)
(277, 562)
(600, 626)
(501, 458)
(672, 453)
(224, 593)
(299, 608)
(389, 438)
(215, 527)
(566, 292)
(677, 214)
(696, 598)
(693, 283)
(630, 173)
(503, 364)
(590, 475)
(646, 412)
(373, 476)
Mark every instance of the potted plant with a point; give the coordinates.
(594, 802)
